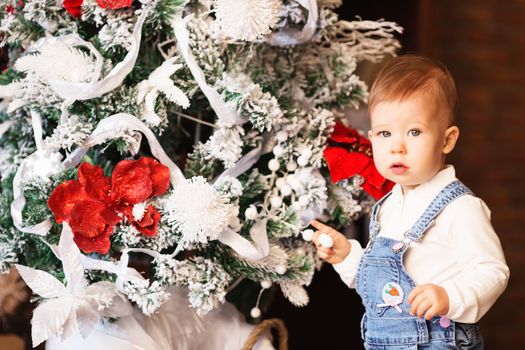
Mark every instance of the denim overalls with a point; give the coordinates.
(384, 286)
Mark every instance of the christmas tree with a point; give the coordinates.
(189, 136)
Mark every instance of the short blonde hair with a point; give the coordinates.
(407, 75)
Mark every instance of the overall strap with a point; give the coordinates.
(374, 223)
(448, 194)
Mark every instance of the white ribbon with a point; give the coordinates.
(294, 37)
(72, 92)
(123, 121)
(224, 112)
(245, 248)
(27, 170)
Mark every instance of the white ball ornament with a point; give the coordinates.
(302, 161)
(251, 213)
(282, 136)
(255, 312)
(304, 200)
(281, 269)
(278, 150)
(325, 240)
(308, 234)
(306, 153)
(286, 190)
(273, 165)
(280, 182)
(291, 166)
(276, 201)
(266, 284)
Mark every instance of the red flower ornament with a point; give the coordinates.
(114, 4)
(350, 154)
(73, 7)
(94, 204)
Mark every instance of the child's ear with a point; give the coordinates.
(369, 134)
(451, 136)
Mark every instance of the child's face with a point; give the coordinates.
(409, 140)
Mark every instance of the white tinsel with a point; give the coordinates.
(148, 298)
(261, 108)
(248, 19)
(68, 134)
(207, 281)
(225, 144)
(198, 211)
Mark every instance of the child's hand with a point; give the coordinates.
(429, 300)
(338, 251)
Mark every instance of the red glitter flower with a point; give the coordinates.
(92, 204)
(350, 154)
(74, 7)
(114, 4)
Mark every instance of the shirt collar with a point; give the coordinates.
(428, 190)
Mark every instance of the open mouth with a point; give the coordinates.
(398, 168)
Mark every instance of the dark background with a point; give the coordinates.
(483, 44)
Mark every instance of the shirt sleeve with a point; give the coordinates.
(347, 269)
(483, 272)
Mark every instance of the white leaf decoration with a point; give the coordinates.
(294, 292)
(41, 282)
(49, 318)
(70, 256)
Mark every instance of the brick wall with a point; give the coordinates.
(482, 43)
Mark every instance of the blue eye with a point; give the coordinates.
(414, 132)
(384, 133)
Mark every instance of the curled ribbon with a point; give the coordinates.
(224, 112)
(294, 37)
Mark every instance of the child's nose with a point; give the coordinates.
(398, 146)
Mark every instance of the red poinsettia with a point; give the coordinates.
(350, 154)
(74, 7)
(94, 204)
(114, 4)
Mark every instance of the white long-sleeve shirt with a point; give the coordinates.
(460, 252)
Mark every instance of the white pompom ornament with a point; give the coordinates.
(266, 284)
(278, 151)
(247, 19)
(276, 201)
(291, 166)
(286, 190)
(325, 240)
(302, 161)
(280, 182)
(273, 165)
(306, 153)
(251, 213)
(308, 234)
(281, 269)
(255, 312)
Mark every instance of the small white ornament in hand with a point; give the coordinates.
(325, 240)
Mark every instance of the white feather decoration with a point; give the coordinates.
(57, 61)
(247, 20)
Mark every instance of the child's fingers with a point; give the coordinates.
(414, 293)
(416, 302)
(431, 313)
(325, 253)
(423, 307)
(322, 227)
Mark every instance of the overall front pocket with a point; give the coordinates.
(376, 273)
